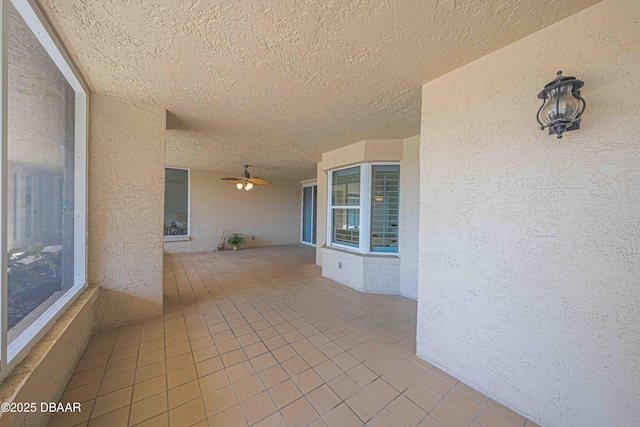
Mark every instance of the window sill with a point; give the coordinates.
(50, 362)
(176, 238)
(391, 257)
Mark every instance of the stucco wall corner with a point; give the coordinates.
(383, 150)
(409, 216)
(126, 203)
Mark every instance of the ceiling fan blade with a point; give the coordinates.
(259, 181)
(229, 179)
(234, 182)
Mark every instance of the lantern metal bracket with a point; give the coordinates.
(574, 126)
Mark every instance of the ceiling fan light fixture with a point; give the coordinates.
(246, 181)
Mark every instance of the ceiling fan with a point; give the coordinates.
(246, 181)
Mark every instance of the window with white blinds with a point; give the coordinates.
(385, 207)
(364, 208)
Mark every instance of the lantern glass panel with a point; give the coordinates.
(560, 105)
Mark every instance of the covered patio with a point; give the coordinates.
(259, 337)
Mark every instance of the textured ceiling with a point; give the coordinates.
(276, 83)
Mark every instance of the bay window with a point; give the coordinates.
(364, 208)
(43, 204)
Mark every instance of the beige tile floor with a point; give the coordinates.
(259, 337)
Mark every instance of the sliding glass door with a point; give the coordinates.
(309, 199)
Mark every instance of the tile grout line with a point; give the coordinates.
(235, 296)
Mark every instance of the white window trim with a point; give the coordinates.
(364, 246)
(314, 192)
(184, 237)
(330, 209)
(369, 251)
(12, 354)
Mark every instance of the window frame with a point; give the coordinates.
(369, 251)
(364, 244)
(182, 237)
(314, 192)
(12, 353)
(331, 208)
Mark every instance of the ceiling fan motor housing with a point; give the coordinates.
(246, 181)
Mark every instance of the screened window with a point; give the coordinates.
(44, 182)
(345, 207)
(176, 202)
(385, 206)
(365, 207)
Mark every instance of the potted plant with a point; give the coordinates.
(222, 242)
(236, 240)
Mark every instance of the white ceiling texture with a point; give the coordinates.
(277, 83)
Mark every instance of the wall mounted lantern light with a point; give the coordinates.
(562, 105)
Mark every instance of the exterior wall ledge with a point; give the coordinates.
(168, 239)
(366, 258)
(31, 372)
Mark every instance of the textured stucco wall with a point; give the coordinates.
(281, 82)
(385, 150)
(529, 245)
(366, 273)
(126, 200)
(271, 213)
(409, 216)
(44, 373)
